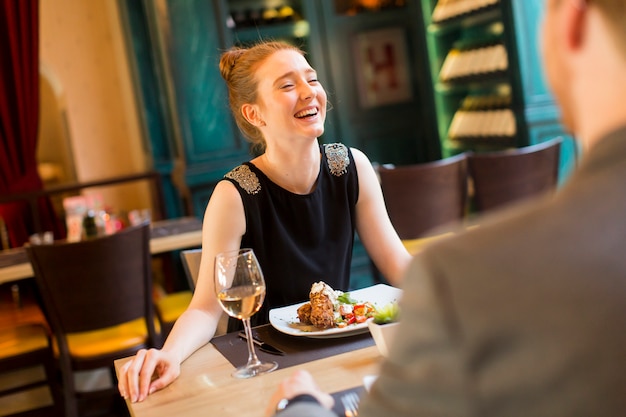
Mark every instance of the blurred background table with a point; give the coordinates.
(167, 235)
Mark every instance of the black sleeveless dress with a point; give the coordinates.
(300, 239)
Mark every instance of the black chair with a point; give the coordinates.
(422, 197)
(500, 178)
(97, 297)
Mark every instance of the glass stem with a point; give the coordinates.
(252, 358)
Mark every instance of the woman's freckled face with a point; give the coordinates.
(291, 101)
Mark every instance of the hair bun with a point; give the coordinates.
(228, 61)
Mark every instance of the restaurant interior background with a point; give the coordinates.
(134, 86)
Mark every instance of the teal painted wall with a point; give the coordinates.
(541, 110)
(153, 103)
(193, 138)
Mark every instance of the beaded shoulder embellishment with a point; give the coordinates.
(338, 159)
(245, 178)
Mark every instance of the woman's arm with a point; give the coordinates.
(374, 227)
(223, 226)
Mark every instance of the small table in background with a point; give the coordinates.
(167, 235)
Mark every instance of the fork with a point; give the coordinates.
(350, 403)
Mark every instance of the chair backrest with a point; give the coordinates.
(191, 263)
(503, 177)
(96, 283)
(424, 196)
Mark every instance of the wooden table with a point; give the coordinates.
(189, 235)
(205, 386)
(415, 246)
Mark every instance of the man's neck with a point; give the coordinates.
(598, 84)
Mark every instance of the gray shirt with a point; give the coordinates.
(523, 316)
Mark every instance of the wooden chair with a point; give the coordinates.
(191, 263)
(422, 197)
(500, 178)
(97, 297)
(169, 307)
(25, 351)
(23, 348)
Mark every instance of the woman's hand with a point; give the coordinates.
(300, 382)
(148, 371)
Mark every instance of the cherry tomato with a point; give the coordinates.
(361, 319)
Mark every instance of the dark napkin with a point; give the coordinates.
(10, 257)
(298, 349)
(338, 407)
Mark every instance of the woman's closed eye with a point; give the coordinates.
(290, 85)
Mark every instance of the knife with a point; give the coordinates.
(265, 347)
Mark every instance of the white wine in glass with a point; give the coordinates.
(240, 289)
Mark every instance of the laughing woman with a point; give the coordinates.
(298, 205)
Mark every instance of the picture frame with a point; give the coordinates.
(382, 67)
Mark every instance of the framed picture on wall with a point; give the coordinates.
(382, 67)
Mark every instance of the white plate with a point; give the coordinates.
(285, 319)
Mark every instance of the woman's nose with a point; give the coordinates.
(307, 92)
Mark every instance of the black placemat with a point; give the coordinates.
(297, 350)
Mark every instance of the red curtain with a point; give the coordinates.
(19, 120)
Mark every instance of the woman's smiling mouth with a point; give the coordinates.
(306, 113)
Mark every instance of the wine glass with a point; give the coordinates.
(240, 289)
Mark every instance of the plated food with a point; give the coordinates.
(333, 308)
(292, 320)
(320, 310)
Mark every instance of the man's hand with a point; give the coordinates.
(300, 382)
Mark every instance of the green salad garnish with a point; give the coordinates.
(345, 298)
(387, 313)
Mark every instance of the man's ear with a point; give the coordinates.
(251, 113)
(575, 22)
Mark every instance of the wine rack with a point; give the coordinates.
(354, 7)
(484, 119)
(463, 65)
(265, 16)
(447, 10)
(252, 21)
(473, 73)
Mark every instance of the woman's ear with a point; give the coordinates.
(251, 113)
(575, 14)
